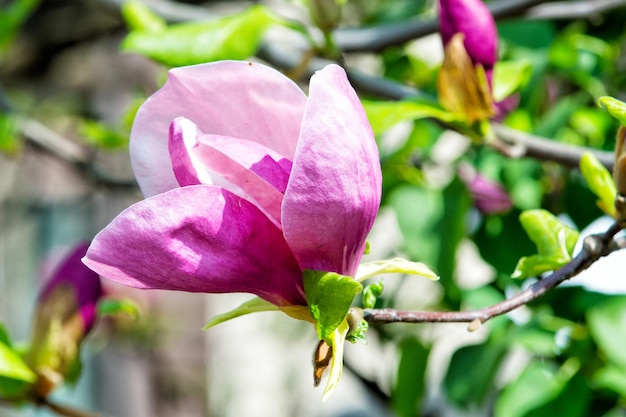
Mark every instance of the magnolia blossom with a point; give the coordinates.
(473, 19)
(248, 183)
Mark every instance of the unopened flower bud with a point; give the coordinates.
(474, 20)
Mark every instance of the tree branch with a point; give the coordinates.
(594, 247)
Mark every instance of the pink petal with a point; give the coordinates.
(335, 185)
(249, 166)
(198, 239)
(182, 139)
(228, 98)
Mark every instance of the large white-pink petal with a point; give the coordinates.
(199, 239)
(334, 189)
(230, 98)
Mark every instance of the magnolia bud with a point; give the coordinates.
(474, 20)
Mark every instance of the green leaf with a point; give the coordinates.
(611, 378)
(255, 305)
(12, 366)
(615, 107)
(329, 296)
(117, 306)
(139, 17)
(607, 322)
(555, 243)
(600, 182)
(509, 77)
(383, 115)
(537, 389)
(13, 389)
(232, 37)
(411, 378)
(4, 335)
(371, 294)
(471, 373)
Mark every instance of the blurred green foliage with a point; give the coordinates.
(572, 340)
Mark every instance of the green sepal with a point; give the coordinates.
(329, 296)
(255, 305)
(600, 182)
(509, 77)
(232, 37)
(371, 293)
(118, 306)
(12, 366)
(394, 266)
(555, 243)
(336, 341)
(615, 107)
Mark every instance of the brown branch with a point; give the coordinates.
(594, 247)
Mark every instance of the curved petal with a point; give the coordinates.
(182, 139)
(335, 185)
(198, 239)
(229, 98)
(251, 167)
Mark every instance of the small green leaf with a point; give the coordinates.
(600, 182)
(371, 294)
(232, 37)
(139, 17)
(555, 243)
(12, 366)
(329, 296)
(509, 77)
(615, 107)
(117, 306)
(607, 322)
(383, 115)
(103, 136)
(10, 139)
(255, 305)
(394, 266)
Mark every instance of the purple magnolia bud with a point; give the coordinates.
(475, 22)
(489, 196)
(83, 281)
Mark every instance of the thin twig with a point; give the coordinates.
(594, 247)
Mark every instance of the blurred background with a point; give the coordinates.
(71, 79)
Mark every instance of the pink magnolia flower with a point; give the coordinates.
(248, 183)
(473, 19)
